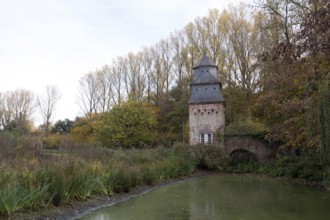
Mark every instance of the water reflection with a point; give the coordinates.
(223, 197)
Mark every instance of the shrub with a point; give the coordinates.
(306, 167)
(128, 125)
(209, 157)
(52, 142)
(247, 127)
(8, 142)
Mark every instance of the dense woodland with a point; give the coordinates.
(274, 66)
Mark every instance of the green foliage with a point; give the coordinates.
(306, 167)
(121, 179)
(63, 127)
(235, 104)
(326, 178)
(17, 194)
(247, 127)
(84, 128)
(18, 127)
(51, 142)
(8, 142)
(56, 178)
(209, 157)
(324, 118)
(243, 168)
(130, 124)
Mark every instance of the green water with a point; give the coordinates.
(223, 198)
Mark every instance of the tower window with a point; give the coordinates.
(206, 138)
(202, 139)
(205, 88)
(209, 138)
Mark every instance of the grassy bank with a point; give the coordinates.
(33, 180)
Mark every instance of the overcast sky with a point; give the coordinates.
(54, 42)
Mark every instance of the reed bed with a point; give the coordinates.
(33, 180)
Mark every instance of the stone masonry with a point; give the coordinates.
(206, 105)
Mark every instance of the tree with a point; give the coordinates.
(131, 124)
(84, 129)
(63, 127)
(242, 51)
(88, 94)
(294, 71)
(104, 91)
(16, 109)
(284, 17)
(47, 104)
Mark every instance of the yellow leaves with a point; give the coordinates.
(84, 129)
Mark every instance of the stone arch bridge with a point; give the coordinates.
(263, 150)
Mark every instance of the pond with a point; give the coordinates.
(223, 197)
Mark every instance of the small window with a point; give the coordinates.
(196, 89)
(202, 139)
(205, 88)
(214, 88)
(209, 138)
(206, 138)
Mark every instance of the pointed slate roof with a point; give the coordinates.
(205, 87)
(206, 94)
(205, 61)
(203, 78)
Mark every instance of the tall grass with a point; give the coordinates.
(31, 181)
